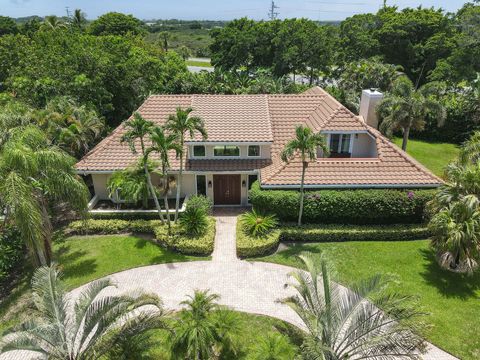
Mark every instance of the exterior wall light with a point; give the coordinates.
(209, 183)
(244, 183)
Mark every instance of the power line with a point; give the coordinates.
(273, 14)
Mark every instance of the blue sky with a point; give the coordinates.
(213, 9)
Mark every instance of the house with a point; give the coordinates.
(246, 134)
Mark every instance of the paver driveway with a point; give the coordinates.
(252, 287)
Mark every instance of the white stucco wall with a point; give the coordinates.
(364, 147)
(264, 153)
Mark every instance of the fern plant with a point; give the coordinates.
(258, 225)
(194, 221)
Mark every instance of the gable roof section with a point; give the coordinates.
(272, 118)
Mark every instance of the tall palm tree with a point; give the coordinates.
(34, 174)
(162, 145)
(470, 151)
(306, 143)
(138, 129)
(78, 19)
(342, 324)
(182, 124)
(406, 108)
(52, 22)
(86, 330)
(163, 39)
(205, 330)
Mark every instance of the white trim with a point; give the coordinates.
(223, 172)
(206, 184)
(92, 202)
(89, 172)
(353, 186)
(254, 156)
(328, 132)
(237, 143)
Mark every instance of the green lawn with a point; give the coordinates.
(452, 300)
(434, 156)
(85, 258)
(252, 329)
(198, 63)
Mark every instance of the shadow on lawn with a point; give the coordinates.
(448, 283)
(71, 267)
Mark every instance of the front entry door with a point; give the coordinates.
(226, 190)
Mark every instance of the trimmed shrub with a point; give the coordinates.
(125, 216)
(12, 253)
(369, 206)
(338, 233)
(112, 226)
(200, 202)
(250, 246)
(190, 245)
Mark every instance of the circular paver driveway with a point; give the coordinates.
(252, 287)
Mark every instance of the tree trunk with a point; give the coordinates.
(47, 234)
(165, 198)
(406, 134)
(311, 77)
(300, 212)
(152, 191)
(179, 182)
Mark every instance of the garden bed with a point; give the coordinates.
(110, 205)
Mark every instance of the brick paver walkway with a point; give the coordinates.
(252, 287)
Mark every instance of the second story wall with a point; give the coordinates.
(243, 151)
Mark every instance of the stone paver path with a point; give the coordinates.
(252, 287)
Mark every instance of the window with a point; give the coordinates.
(253, 150)
(251, 180)
(201, 185)
(340, 145)
(226, 150)
(199, 150)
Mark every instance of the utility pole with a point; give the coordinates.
(68, 11)
(272, 13)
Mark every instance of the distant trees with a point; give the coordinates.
(7, 26)
(114, 23)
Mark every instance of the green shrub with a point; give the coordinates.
(194, 221)
(250, 246)
(256, 224)
(337, 233)
(369, 206)
(201, 202)
(125, 216)
(180, 241)
(12, 253)
(112, 226)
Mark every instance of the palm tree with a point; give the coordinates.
(86, 330)
(163, 144)
(306, 143)
(138, 129)
(272, 347)
(407, 108)
(164, 38)
(74, 128)
(342, 324)
(182, 124)
(131, 184)
(34, 173)
(52, 22)
(78, 19)
(470, 151)
(205, 330)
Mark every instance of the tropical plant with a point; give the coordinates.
(204, 330)
(33, 175)
(194, 221)
(470, 151)
(184, 52)
(137, 128)
(87, 329)
(163, 39)
(256, 224)
(365, 322)
(456, 235)
(131, 184)
(306, 144)
(74, 128)
(202, 202)
(182, 124)
(272, 347)
(406, 108)
(78, 20)
(13, 115)
(52, 22)
(163, 145)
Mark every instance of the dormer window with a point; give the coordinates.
(226, 150)
(340, 145)
(254, 150)
(198, 150)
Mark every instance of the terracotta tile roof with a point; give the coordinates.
(272, 118)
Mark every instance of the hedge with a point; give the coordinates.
(126, 216)
(369, 206)
(249, 246)
(177, 240)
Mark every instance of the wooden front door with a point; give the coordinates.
(226, 190)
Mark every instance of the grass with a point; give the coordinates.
(452, 300)
(434, 156)
(86, 258)
(198, 63)
(252, 329)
